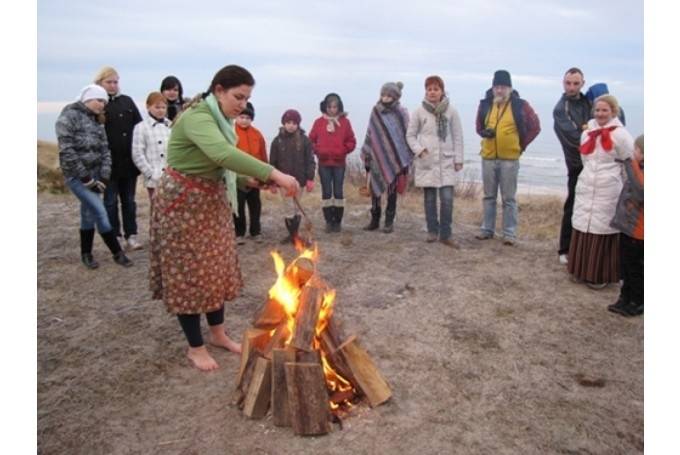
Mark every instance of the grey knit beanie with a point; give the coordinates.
(392, 89)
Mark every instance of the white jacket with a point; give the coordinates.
(435, 168)
(601, 180)
(150, 149)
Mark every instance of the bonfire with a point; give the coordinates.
(296, 360)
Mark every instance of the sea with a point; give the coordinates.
(542, 168)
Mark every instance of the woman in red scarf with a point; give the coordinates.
(594, 248)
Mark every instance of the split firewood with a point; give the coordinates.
(307, 315)
(270, 315)
(245, 378)
(279, 399)
(277, 340)
(300, 271)
(259, 392)
(308, 398)
(367, 376)
(308, 357)
(253, 339)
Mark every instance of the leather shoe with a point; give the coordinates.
(89, 261)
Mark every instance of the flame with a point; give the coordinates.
(287, 294)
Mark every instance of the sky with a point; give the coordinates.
(300, 51)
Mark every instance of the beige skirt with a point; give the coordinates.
(194, 267)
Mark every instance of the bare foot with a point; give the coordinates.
(202, 359)
(219, 338)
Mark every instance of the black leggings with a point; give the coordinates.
(191, 325)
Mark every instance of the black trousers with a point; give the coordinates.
(632, 269)
(565, 231)
(191, 325)
(252, 199)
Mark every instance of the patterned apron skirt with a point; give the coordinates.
(194, 267)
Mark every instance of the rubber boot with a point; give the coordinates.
(118, 254)
(390, 212)
(375, 215)
(328, 216)
(86, 240)
(337, 226)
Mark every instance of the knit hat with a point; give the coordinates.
(249, 111)
(501, 77)
(93, 92)
(330, 98)
(291, 115)
(597, 90)
(392, 89)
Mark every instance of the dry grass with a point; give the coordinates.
(50, 178)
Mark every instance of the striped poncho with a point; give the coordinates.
(385, 152)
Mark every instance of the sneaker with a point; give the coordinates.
(596, 286)
(120, 259)
(388, 229)
(257, 238)
(240, 240)
(509, 241)
(122, 242)
(483, 236)
(431, 237)
(133, 243)
(451, 243)
(563, 259)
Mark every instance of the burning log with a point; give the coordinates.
(279, 400)
(367, 376)
(309, 409)
(259, 391)
(307, 315)
(277, 340)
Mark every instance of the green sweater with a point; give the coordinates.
(198, 147)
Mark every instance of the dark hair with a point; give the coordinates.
(231, 76)
(332, 98)
(574, 70)
(171, 82)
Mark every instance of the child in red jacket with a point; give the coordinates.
(333, 139)
(250, 140)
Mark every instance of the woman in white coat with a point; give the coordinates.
(435, 136)
(594, 250)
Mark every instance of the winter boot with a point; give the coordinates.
(390, 212)
(337, 226)
(375, 215)
(328, 216)
(118, 254)
(86, 240)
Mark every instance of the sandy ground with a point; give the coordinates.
(489, 349)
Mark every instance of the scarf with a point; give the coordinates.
(385, 147)
(228, 130)
(332, 121)
(588, 147)
(439, 112)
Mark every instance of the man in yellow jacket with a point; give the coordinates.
(507, 125)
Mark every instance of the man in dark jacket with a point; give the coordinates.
(571, 115)
(121, 117)
(507, 125)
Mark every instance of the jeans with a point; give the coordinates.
(332, 179)
(442, 227)
(252, 199)
(501, 173)
(124, 188)
(565, 230)
(92, 211)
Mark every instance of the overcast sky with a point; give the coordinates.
(299, 51)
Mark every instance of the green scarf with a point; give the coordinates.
(228, 130)
(438, 111)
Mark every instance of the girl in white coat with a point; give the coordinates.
(435, 136)
(594, 248)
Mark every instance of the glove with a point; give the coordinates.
(309, 186)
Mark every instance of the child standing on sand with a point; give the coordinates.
(291, 153)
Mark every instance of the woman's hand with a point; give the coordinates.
(286, 182)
